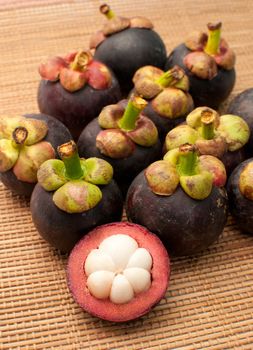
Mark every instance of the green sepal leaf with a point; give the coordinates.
(197, 186)
(77, 196)
(8, 155)
(51, 174)
(97, 171)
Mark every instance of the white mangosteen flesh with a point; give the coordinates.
(118, 269)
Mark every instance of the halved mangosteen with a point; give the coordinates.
(25, 143)
(75, 88)
(176, 199)
(118, 271)
(126, 44)
(209, 63)
(73, 196)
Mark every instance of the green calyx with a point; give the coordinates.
(180, 165)
(22, 148)
(125, 127)
(74, 180)
(211, 133)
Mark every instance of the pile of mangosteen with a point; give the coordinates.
(121, 123)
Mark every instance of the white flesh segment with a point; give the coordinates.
(121, 291)
(99, 284)
(120, 247)
(140, 258)
(138, 278)
(98, 260)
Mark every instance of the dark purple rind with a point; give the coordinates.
(204, 92)
(75, 109)
(125, 169)
(232, 159)
(57, 135)
(242, 105)
(130, 49)
(63, 230)
(240, 207)
(185, 226)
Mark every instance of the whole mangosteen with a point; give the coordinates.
(209, 63)
(124, 137)
(118, 271)
(126, 44)
(242, 105)
(25, 143)
(167, 94)
(223, 136)
(176, 198)
(73, 196)
(75, 88)
(240, 195)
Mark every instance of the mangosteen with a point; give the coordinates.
(176, 199)
(242, 105)
(25, 143)
(118, 271)
(221, 136)
(124, 137)
(73, 196)
(75, 88)
(240, 195)
(126, 44)
(167, 94)
(209, 63)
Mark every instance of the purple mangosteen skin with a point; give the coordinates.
(204, 92)
(185, 226)
(242, 105)
(63, 230)
(126, 51)
(232, 159)
(75, 109)
(125, 169)
(57, 135)
(240, 207)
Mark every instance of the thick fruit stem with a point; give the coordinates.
(168, 78)
(105, 10)
(207, 124)
(134, 107)
(19, 135)
(213, 41)
(69, 155)
(187, 160)
(81, 61)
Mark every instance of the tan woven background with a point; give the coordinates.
(209, 304)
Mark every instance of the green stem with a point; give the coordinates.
(134, 107)
(213, 41)
(207, 125)
(170, 77)
(187, 160)
(69, 155)
(105, 10)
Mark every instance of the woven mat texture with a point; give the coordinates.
(209, 303)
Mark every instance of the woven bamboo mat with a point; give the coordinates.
(209, 304)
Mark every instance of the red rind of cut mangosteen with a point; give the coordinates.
(142, 302)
